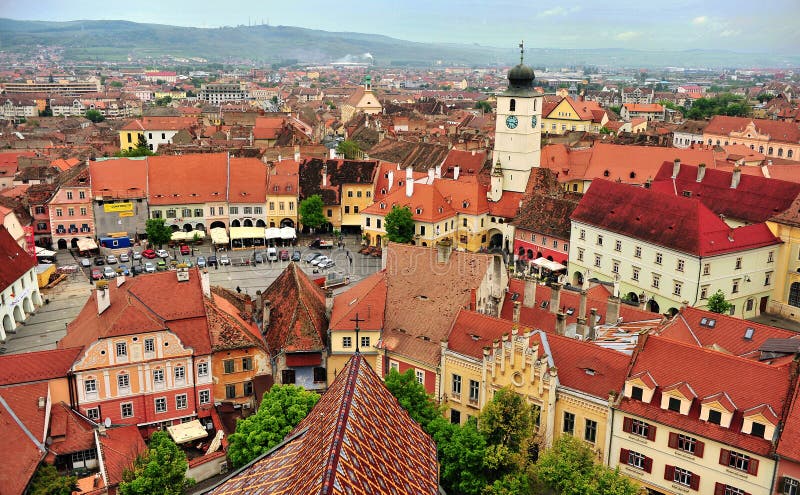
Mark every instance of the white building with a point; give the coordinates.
(19, 288)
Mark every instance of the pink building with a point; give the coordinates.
(70, 211)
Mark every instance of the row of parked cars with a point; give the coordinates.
(319, 260)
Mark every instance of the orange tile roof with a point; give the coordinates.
(17, 470)
(14, 261)
(790, 436)
(187, 179)
(635, 164)
(248, 181)
(778, 130)
(119, 447)
(588, 367)
(426, 204)
(367, 298)
(36, 366)
(357, 440)
(121, 178)
(710, 373)
(643, 107)
(472, 332)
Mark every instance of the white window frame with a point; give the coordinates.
(181, 399)
(160, 400)
(122, 410)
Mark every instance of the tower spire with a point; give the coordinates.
(521, 51)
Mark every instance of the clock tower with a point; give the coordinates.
(518, 134)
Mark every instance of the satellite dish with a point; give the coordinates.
(107, 423)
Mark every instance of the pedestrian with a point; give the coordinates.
(238, 289)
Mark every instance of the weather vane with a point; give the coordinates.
(521, 51)
(357, 320)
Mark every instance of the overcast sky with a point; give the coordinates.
(739, 25)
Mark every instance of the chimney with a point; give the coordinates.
(737, 176)
(438, 171)
(431, 175)
(580, 328)
(391, 180)
(103, 296)
(182, 273)
(456, 172)
(40, 402)
(582, 306)
(529, 298)
(555, 297)
(676, 167)
(473, 152)
(280, 157)
(329, 302)
(266, 316)
(384, 252)
(332, 153)
(701, 172)
(444, 248)
(297, 156)
(592, 324)
(561, 323)
(325, 175)
(515, 317)
(612, 309)
(409, 181)
(205, 282)
(120, 280)
(248, 307)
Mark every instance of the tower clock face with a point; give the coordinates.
(512, 121)
(533, 121)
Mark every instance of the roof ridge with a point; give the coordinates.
(332, 461)
(713, 352)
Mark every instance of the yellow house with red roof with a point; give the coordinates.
(573, 115)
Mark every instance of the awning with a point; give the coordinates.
(288, 233)
(216, 443)
(272, 233)
(219, 236)
(187, 432)
(196, 233)
(86, 244)
(179, 236)
(305, 359)
(40, 251)
(550, 265)
(247, 232)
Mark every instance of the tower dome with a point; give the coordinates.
(521, 77)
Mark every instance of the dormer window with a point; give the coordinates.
(760, 421)
(636, 393)
(717, 409)
(640, 386)
(758, 430)
(714, 416)
(674, 404)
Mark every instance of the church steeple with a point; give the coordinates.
(367, 83)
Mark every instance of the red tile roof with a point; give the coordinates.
(227, 328)
(587, 367)
(367, 298)
(70, 432)
(614, 161)
(119, 447)
(746, 382)
(186, 179)
(14, 261)
(36, 366)
(297, 322)
(643, 107)
(248, 181)
(473, 331)
(755, 199)
(161, 123)
(465, 160)
(356, 440)
(120, 178)
(777, 130)
(676, 222)
(790, 436)
(17, 470)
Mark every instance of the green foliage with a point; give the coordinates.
(569, 468)
(764, 97)
(157, 232)
(412, 396)
(116, 84)
(400, 225)
(615, 108)
(94, 115)
(349, 149)
(718, 304)
(48, 481)
(141, 149)
(461, 451)
(311, 212)
(605, 130)
(484, 106)
(723, 104)
(161, 469)
(282, 408)
(507, 420)
(163, 101)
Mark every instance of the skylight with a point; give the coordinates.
(748, 333)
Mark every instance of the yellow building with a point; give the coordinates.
(572, 115)
(363, 100)
(282, 190)
(355, 198)
(785, 298)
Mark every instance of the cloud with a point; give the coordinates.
(627, 35)
(699, 21)
(559, 11)
(729, 32)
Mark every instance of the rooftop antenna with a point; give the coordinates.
(521, 51)
(357, 320)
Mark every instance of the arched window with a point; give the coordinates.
(780, 151)
(769, 150)
(789, 153)
(794, 294)
(512, 105)
(761, 149)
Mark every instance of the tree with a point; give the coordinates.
(282, 408)
(48, 481)
(718, 304)
(722, 104)
(484, 106)
(311, 212)
(94, 115)
(507, 420)
(163, 101)
(161, 469)
(461, 451)
(349, 149)
(400, 225)
(142, 149)
(116, 84)
(157, 232)
(568, 467)
(411, 394)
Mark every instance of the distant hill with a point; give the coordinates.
(119, 40)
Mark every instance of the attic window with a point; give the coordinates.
(589, 371)
(606, 173)
(570, 311)
(708, 322)
(633, 175)
(386, 175)
(441, 209)
(475, 337)
(687, 194)
(383, 191)
(422, 298)
(419, 211)
(748, 333)
(399, 183)
(383, 206)
(465, 204)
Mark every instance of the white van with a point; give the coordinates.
(272, 254)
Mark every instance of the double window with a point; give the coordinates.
(636, 460)
(639, 428)
(569, 423)
(474, 391)
(161, 404)
(123, 380)
(180, 373)
(202, 369)
(158, 376)
(590, 431)
(181, 402)
(739, 461)
(247, 364)
(457, 385)
(204, 396)
(687, 444)
(126, 409)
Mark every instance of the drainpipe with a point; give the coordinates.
(697, 289)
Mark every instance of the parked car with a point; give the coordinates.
(258, 258)
(86, 262)
(149, 254)
(137, 255)
(124, 258)
(187, 262)
(111, 259)
(137, 269)
(212, 260)
(283, 255)
(327, 264)
(185, 249)
(311, 256)
(109, 272)
(319, 260)
(96, 274)
(125, 270)
(99, 261)
(272, 254)
(162, 253)
(161, 265)
(149, 267)
(201, 262)
(224, 260)
(296, 256)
